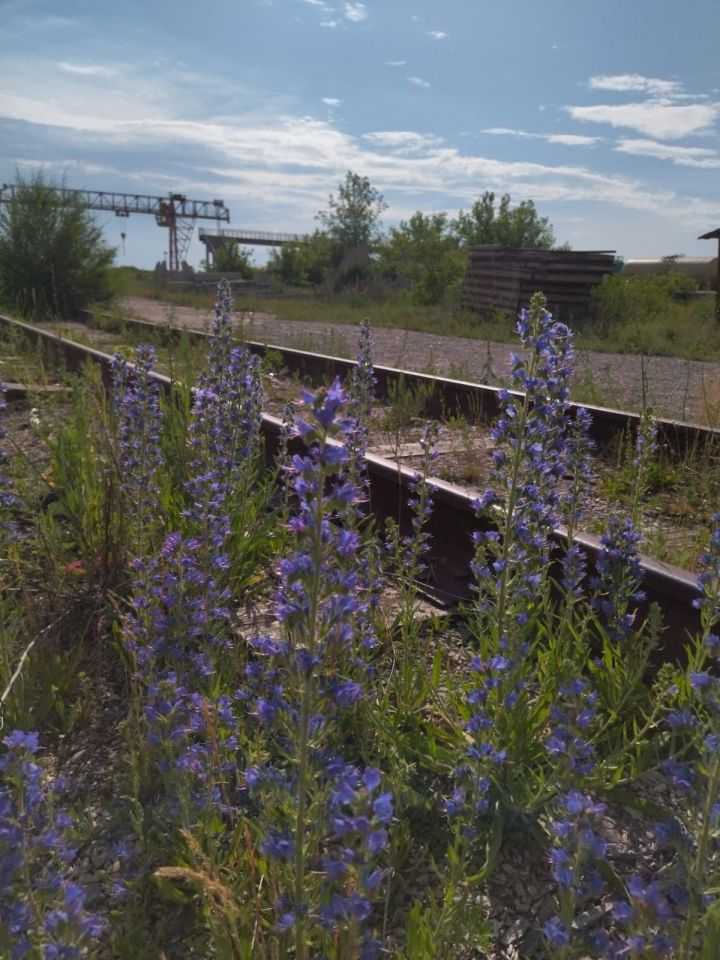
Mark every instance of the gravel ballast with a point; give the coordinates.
(675, 388)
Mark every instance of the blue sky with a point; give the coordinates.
(606, 114)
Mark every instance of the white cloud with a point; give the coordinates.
(418, 81)
(326, 10)
(659, 119)
(395, 63)
(436, 34)
(625, 82)
(571, 139)
(682, 156)
(331, 101)
(355, 12)
(86, 70)
(566, 139)
(297, 159)
(404, 141)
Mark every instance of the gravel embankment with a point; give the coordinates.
(681, 389)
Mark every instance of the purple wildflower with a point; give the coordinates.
(616, 583)
(8, 500)
(35, 844)
(136, 402)
(303, 683)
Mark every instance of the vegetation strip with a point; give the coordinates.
(453, 522)
(312, 766)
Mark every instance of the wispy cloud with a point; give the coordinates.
(436, 34)
(297, 157)
(659, 119)
(566, 139)
(331, 101)
(404, 141)
(682, 156)
(571, 139)
(418, 81)
(86, 69)
(42, 23)
(292, 159)
(326, 10)
(395, 63)
(355, 12)
(631, 82)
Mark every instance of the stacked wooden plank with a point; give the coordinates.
(505, 278)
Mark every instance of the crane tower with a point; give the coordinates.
(175, 212)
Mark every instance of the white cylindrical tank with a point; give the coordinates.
(703, 270)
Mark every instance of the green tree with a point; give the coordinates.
(353, 216)
(286, 264)
(232, 258)
(507, 226)
(297, 264)
(423, 250)
(53, 258)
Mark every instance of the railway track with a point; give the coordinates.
(443, 397)
(453, 520)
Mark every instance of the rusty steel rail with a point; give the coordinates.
(453, 519)
(443, 397)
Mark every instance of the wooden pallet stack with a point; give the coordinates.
(505, 278)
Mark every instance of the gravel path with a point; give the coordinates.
(681, 389)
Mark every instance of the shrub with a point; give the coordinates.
(620, 301)
(53, 260)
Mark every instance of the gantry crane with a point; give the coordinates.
(175, 212)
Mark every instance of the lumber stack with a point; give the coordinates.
(505, 278)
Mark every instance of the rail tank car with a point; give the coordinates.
(703, 270)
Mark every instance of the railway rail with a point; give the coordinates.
(476, 402)
(453, 520)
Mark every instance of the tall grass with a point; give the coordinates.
(349, 781)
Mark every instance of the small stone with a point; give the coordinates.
(591, 916)
(100, 857)
(516, 930)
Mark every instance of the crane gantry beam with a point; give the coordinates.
(174, 211)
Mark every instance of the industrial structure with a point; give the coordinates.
(715, 235)
(175, 212)
(703, 270)
(255, 238)
(505, 278)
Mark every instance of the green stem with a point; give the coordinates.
(700, 858)
(300, 946)
(304, 727)
(509, 509)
